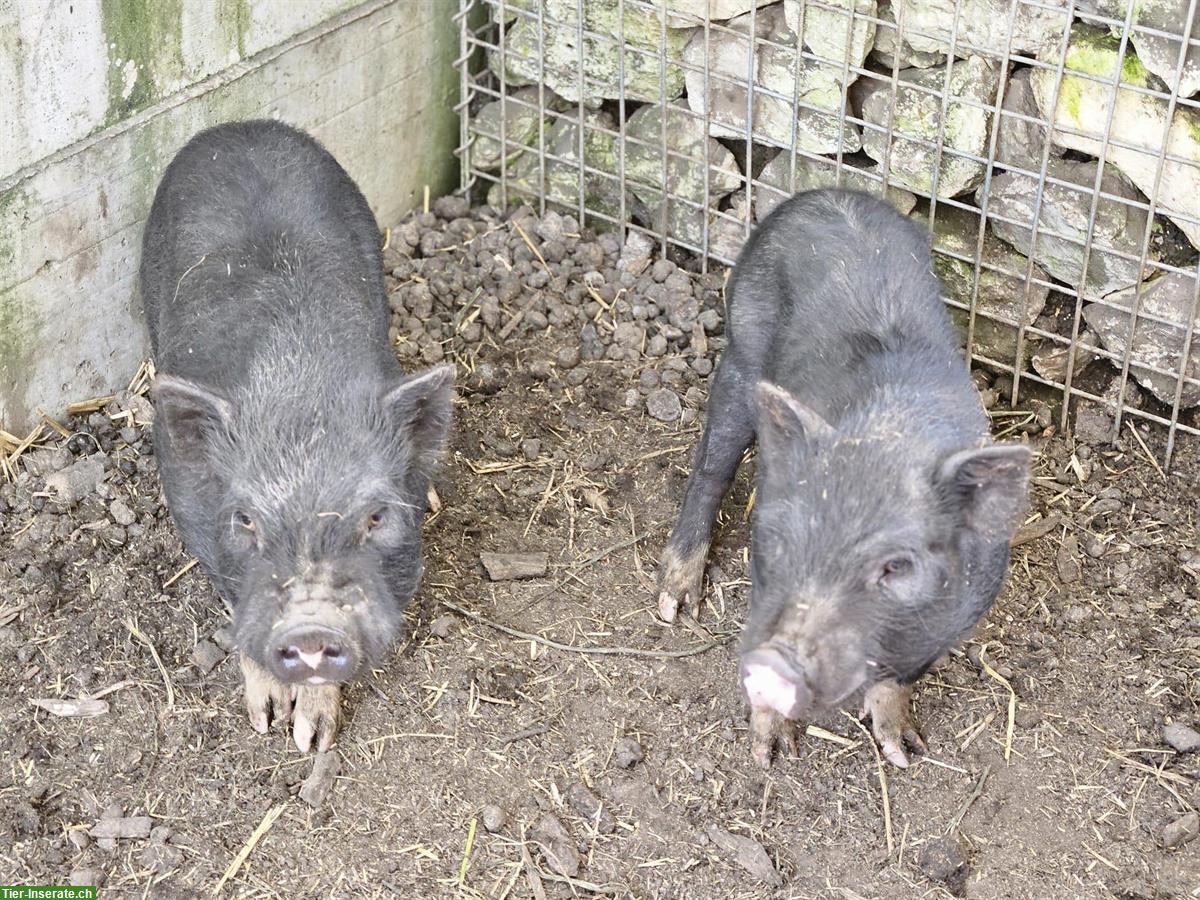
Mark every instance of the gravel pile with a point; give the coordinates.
(461, 278)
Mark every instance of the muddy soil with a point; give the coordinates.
(596, 751)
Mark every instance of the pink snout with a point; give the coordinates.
(771, 682)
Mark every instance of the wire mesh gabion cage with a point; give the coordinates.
(1051, 149)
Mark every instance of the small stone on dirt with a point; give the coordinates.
(87, 877)
(590, 807)
(943, 860)
(567, 358)
(1181, 831)
(627, 752)
(79, 838)
(317, 785)
(127, 827)
(530, 448)
(1067, 561)
(1093, 425)
(207, 655)
(664, 405)
(76, 481)
(84, 708)
(512, 566)
(440, 627)
(556, 844)
(161, 858)
(747, 853)
(494, 818)
(121, 513)
(1182, 738)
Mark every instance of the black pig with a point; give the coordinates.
(883, 510)
(294, 453)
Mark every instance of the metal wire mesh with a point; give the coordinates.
(1052, 149)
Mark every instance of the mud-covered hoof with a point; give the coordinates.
(680, 584)
(267, 699)
(317, 715)
(670, 605)
(889, 705)
(769, 731)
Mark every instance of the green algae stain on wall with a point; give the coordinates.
(17, 343)
(19, 324)
(13, 206)
(145, 52)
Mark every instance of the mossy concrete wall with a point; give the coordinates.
(98, 95)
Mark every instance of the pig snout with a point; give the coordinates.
(315, 640)
(772, 681)
(799, 674)
(313, 653)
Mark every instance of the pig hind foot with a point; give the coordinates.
(768, 730)
(318, 715)
(889, 704)
(681, 582)
(267, 699)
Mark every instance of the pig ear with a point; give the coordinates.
(191, 414)
(991, 484)
(783, 420)
(420, 407)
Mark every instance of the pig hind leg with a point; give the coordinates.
(729, 431)
(889, 704)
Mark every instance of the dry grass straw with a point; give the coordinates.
(976, 793)
(174, 578)
(531, 245)
(1012, 699)
(466, 860)
(883, 785)
(131, 624)
(257, 835)
(1146, 450)
(572, 648)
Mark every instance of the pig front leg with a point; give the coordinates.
(889, 704)
(768, 730)
(314, 711)
(267, 699)
(318, 714)
(729, 431)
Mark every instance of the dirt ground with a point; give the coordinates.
(476, 762)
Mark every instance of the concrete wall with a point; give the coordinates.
(96, 96)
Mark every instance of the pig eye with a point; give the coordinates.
(895, 567)
(375, 519)
(244, 520)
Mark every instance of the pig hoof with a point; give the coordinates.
(768, 730)
(267, 699)
(669, 605)
(889, 705)
(318, 714)
(681, 584)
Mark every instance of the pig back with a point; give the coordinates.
(834, 293)
(258, 239)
